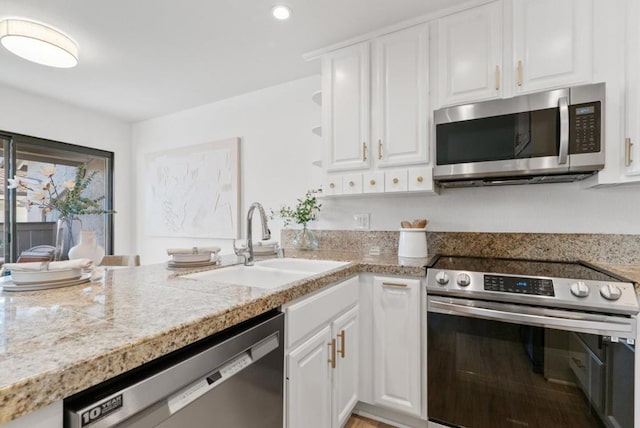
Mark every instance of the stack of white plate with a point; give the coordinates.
(43, 279)
(193, 260)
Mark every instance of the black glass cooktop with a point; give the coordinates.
(572, 270)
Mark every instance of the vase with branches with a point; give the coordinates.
(67, 199)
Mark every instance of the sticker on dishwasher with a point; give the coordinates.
(101, 410)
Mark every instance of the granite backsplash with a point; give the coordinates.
(608, 248)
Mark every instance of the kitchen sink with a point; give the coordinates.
(315, 266)
(268, 274)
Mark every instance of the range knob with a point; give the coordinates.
(442, 278)
(579, 289)
(610, 292)
(463, 280)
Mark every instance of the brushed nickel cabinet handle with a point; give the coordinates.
(342, 351)
(497, 77)
(332, 356)
(364, 151)
(627, 152)
(394, 284)
(379, 149)
(520, 73)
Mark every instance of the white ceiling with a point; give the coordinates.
(145, 58)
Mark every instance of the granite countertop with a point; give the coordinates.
(57, 342)
(630, 272)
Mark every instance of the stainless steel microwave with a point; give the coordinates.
(551, 136)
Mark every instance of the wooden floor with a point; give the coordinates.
(356, 421)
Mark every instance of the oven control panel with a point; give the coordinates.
(513, 284)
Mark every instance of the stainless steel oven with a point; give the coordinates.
(555, 135)
(513, 343)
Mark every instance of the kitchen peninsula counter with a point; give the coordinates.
(58, 342)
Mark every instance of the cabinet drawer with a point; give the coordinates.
(420, 179)
(395, 180)
(308, 315)
(332, 186)
(373, 182)
(352, 184)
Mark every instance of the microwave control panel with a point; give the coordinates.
(584, 132)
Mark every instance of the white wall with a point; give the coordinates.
(277, 150)
(42, 117)
(274, 125)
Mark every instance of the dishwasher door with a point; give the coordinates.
(235, 382)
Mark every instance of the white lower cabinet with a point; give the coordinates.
(322, 357)
(309, 383)
(397, 366)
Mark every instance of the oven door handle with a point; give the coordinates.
(603, 325)
(563, 106)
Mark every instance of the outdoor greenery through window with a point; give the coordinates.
(44, 174)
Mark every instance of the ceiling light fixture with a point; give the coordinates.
(38, 43)
(281, 12)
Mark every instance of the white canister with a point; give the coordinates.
(413, 242)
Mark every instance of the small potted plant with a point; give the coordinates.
(306, 210)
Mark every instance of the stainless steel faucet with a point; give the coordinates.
(247, 251)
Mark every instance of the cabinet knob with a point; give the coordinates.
(351, 184)
(332, 185)
(420, 179)
(372, 182)
(395, 181)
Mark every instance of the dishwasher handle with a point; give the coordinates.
(197, 389)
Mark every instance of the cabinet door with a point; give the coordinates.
(470, 55)
(552, 43)
(309, 383)
(631, 151)
(345, 107)
(400, 97)
(345, 381)
(396, 344)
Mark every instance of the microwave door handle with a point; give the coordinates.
(563, 105)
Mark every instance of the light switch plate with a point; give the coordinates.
(361, 221)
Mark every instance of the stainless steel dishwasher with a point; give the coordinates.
(232, 379)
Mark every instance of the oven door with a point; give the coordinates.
(503, 365)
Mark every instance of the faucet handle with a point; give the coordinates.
(239, 250)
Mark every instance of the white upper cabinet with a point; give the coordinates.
(400, 97)
(631, 150)
(346, 107)
(469, 55)
(552, 43)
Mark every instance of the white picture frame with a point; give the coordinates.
(194, 191)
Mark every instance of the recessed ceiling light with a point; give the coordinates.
(38, 43)
(281, 12)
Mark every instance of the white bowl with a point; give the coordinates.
(42, 276)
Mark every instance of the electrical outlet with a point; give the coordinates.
(361, 221)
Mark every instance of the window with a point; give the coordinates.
(24, 224)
